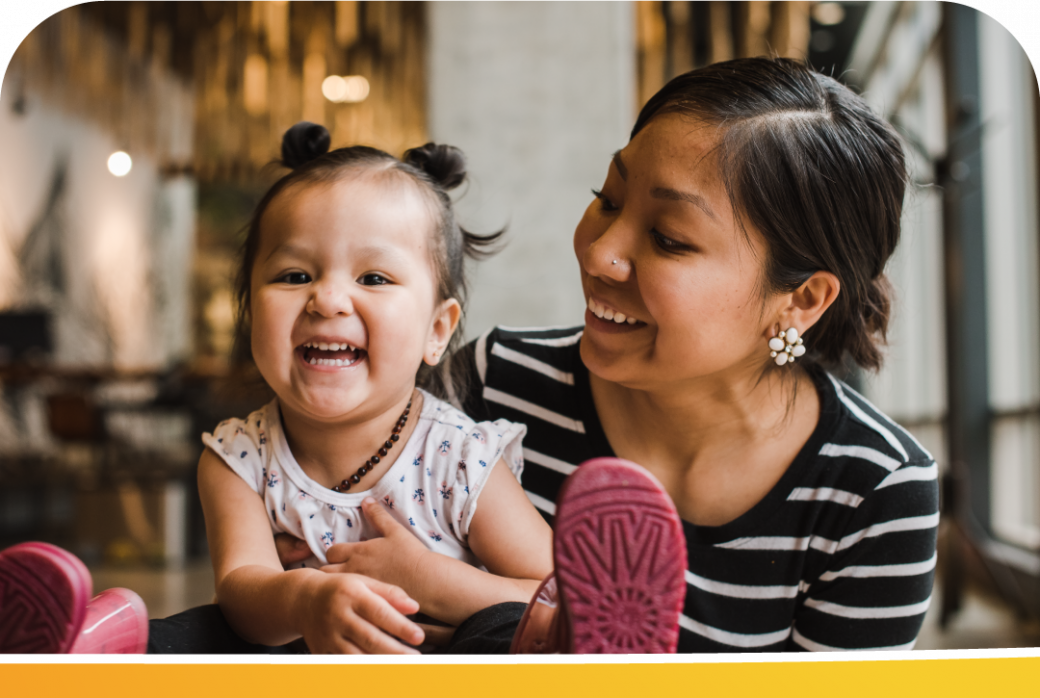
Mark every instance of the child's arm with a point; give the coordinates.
(333, 612)
(508, 535)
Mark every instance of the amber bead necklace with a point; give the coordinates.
(372, 462)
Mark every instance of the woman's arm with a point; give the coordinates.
(506, 533)
(878, 581)
(266, 605)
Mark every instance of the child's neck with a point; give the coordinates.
(330, 453)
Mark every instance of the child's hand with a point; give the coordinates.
(291, 549)
(395, 558)
(353, 614)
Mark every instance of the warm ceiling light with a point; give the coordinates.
(828, 13)
(349, 88)
(119, 163)
(334, 88)
(357, 88)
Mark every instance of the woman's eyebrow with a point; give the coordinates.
(622, 170)
(676, 195)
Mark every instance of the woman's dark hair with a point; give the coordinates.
(433, 169)
(807, 163)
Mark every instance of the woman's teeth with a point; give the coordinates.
(605, 313)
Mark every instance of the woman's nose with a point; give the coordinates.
(609, 256)
(329, 299)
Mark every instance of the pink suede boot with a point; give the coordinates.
(619, 555)
(116, 623)
(45, 607)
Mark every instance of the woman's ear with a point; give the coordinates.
(810, 300)
(442, 327)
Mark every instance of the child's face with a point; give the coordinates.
(344, 306)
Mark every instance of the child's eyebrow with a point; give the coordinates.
(288, 249)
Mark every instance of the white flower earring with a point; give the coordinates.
(785, 346)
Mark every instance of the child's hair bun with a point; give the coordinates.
(445, 164)
(304, 142)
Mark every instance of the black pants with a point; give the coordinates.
(203, 630)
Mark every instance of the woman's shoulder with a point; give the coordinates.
(861, 454)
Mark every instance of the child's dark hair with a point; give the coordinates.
(808, 164)
(433, 169)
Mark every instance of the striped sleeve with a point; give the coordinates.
(877, 584)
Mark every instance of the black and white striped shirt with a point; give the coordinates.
(839, 555)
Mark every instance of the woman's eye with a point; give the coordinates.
(666, 243)
(373, 280)
(295, 277)
(605, 204)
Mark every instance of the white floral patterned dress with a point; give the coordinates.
(432, 488)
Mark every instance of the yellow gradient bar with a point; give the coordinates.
(888, 679)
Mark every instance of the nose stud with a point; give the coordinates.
(614, 262)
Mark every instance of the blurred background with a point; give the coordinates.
(137, 137)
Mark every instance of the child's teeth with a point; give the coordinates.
(632, 321)
(313, 361)
(619, 318)
(323, 346)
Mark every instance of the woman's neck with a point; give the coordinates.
(718, 446)
(329, 452)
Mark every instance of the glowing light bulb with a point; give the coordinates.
(119, 163)
(357, 88)
(828, 13)
(334, 88)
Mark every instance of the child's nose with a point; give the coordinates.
(330, 299)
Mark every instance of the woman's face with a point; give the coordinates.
(661, 244)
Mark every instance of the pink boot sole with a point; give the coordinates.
(620, 555)
(43, 598)
(116, 623)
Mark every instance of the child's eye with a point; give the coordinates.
(373, 280)
(605, 204)
(295, 278)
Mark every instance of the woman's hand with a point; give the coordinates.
(354, 614)
(291, 550)
(396, 558)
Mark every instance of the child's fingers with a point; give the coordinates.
(339, 553)
(397, 597)
(379, 610)
(379, 517)
(374, 629)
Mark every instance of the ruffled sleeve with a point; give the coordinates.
(242, 445)
(480, 448)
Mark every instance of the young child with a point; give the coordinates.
(350, 284)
